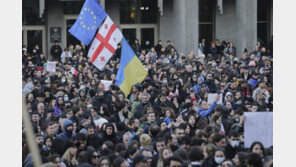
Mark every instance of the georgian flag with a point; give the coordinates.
(74, 71)
(104, 44)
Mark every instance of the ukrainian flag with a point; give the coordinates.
(131, 70)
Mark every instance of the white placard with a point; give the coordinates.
(51, 66)
(258, 126)
(106, 84)
(212, 97)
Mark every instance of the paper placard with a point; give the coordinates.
(212, 96)
(106, 84)
(258, 126)
(51, 66)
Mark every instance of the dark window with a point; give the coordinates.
(73, 7)
(31, 14)
(70, 38)
(206, 19)
(138, 11)
(206, 31)
(129, 34)
(147, 38)
(262, 13)
(264, 8)
(128, 12)
(148, 11)
(206, 10)
(34, 37)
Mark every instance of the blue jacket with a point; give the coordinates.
(66, 135)
(197, 86)
(205, 113)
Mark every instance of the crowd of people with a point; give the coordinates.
(165, 121)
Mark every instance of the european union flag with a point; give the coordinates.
(91, 16)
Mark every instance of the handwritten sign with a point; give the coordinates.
(106, 84)
(51, 66)
(212, 96)
(258, 127)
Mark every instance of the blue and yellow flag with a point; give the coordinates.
(91, 16)
(131, 70)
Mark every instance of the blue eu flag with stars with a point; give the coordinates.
(90, 17)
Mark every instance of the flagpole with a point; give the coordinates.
(30, 136)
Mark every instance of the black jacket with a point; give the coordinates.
(230, 152)
(56, 51)
(211, 85)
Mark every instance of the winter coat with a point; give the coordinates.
(211, 85)
(104, 137)
(198, 86)
(56, 51)
(207, 112)
(230, 151)
(65, 135)
(57, 109)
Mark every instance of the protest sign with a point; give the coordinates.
(258, 126)
(106, 84)
(51, 66)
(212, 96)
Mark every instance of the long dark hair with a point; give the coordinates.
(254, 144)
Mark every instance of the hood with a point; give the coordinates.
(228, 93)
(67, 123)
(202, 79)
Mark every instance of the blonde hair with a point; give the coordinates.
(210, 149)
(145, 140)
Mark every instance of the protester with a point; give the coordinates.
(166, 120)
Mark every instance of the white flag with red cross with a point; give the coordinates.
(74, 71)
(104, 44)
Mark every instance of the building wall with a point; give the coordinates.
(112, 9)
(55, 19)
(226, 23)
(238, 23)
(167, 30)
(179, 23)
(246, 18)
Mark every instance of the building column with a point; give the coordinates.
(238, 23)
(179, 24)
(246, 23)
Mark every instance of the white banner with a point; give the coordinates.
(106, 84)
(258, 126)
(51, 66)
(212, 97)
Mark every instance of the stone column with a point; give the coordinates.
(246, 23)
(238, 24)
(179, 24)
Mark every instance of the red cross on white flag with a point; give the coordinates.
(104, 44)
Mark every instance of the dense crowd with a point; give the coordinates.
(165, 121)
